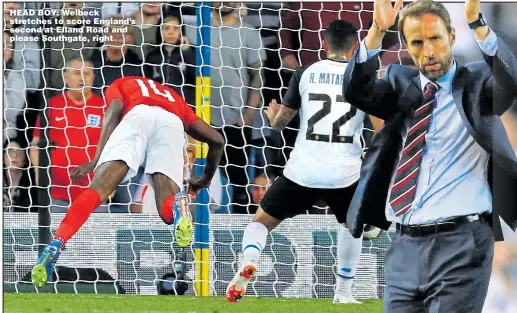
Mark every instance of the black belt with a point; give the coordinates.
(427, 229)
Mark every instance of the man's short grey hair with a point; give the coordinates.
(68, 63)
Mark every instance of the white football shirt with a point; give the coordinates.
(327, 151)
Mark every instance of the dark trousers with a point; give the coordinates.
(446, 272)
(234, 164)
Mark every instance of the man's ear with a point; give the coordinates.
(325, 45)
(352, 50)
(453, 36)
(356, 44)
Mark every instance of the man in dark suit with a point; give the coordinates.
(442, 168)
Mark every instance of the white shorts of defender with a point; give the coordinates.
(151, 137)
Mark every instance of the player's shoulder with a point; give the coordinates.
(173, 91)
(125, 79)
(300, 71)
(324, 66)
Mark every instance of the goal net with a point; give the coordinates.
(131, 252)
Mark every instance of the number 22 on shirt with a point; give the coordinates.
(323, 112)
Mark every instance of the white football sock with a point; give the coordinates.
(253, 242)
(348, 252)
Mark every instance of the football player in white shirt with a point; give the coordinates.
(324, 164)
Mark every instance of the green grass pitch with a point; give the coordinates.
(89, 303)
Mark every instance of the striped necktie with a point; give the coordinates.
(404, 186)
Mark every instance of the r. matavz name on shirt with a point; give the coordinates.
(327, 78)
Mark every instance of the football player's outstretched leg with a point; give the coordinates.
(107, 177)
(144, 126)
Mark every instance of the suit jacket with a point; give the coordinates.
(482, 92)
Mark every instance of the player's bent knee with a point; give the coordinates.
(165, 220)
(164, 186)
(265, 219)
